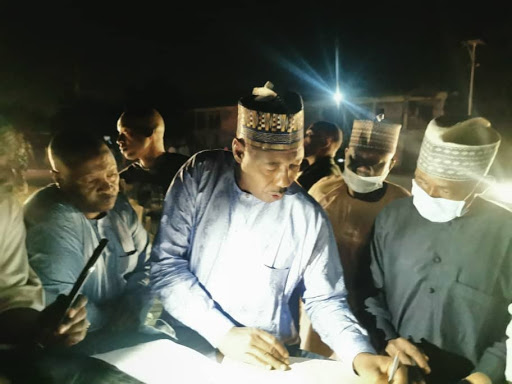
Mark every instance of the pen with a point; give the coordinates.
(394, 368)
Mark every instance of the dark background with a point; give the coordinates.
(78, 64)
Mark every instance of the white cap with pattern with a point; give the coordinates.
(461, 151)
(376, 135)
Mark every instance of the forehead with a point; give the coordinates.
(103, 162)
(272, 156)
(316, 131)
(442, 183)
(126, 126)
(369, 154)
(133, 133)
(123, 128)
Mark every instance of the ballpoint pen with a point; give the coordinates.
(394, 368)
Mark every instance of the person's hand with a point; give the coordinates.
(409, 354)
(256, 347)
(73, 327)
(479, 378)
(375, 369)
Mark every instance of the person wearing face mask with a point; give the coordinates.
(442, 260)
(352, 202)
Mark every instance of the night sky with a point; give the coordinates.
(187, 55)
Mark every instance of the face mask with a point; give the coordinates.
(436, 209)
(362, 184)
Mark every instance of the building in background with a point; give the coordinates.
(214, 127)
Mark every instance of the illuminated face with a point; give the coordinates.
(132, 144)
(368, 163)
(267, 174)
(93, 185)
(446, 189)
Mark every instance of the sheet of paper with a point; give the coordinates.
(303, 371)
(164, 362)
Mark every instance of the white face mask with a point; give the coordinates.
(436, 209)
(361, 184)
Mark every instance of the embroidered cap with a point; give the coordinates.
(270, 121)
(462, 150)
(376, 135)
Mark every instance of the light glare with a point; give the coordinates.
(338, 97)
(502, 192)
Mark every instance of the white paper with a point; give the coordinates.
(302, 371)
(166, 362)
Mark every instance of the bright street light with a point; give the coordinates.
(338, 97)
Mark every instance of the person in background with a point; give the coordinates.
(321, 142)
(146, 180)
(442, 260)
(352, 202)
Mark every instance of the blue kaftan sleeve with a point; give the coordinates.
(55, 250)
(325, 299)
(137, 293)
(171, 278)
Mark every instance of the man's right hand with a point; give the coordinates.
(409, 354)
(254, 346)
(73, 328)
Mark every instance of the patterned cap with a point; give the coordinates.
(375, 135)
(463, 151)
(270, 121)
